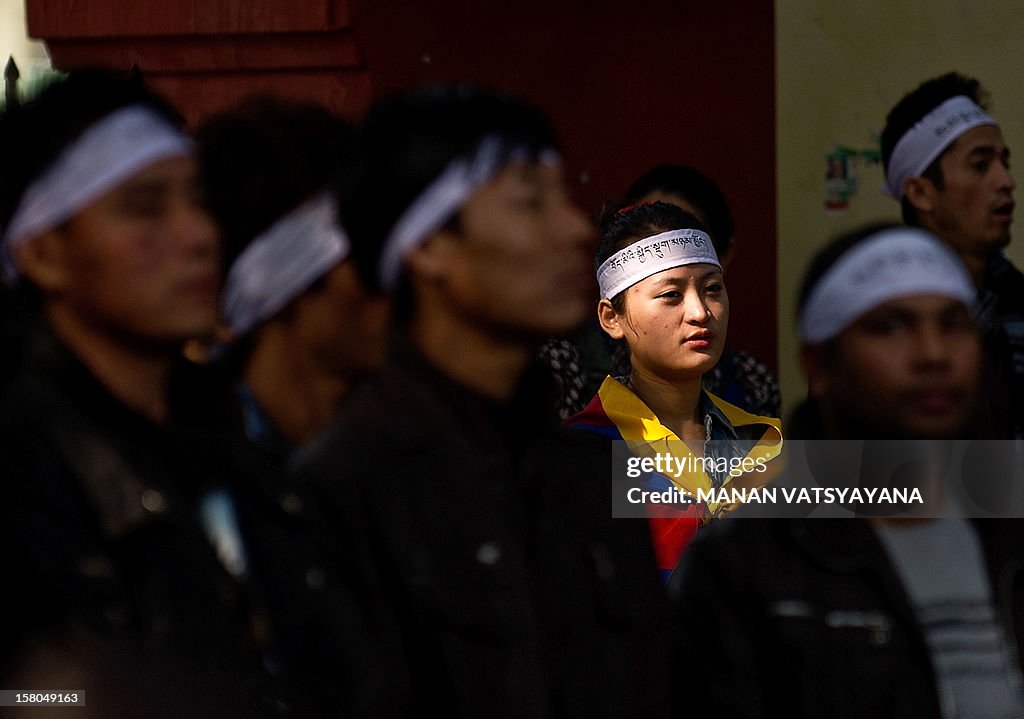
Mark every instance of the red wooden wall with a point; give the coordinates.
(207, 54)
(628, 85)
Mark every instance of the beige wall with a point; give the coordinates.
(840, 67)
(29, 55)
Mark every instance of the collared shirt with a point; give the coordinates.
(619, 413)
(258, 427)
(745, 381)
(730, 433)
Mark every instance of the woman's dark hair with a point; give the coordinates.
(912, 108)
(35, 133)
(698, 190)
(265, 157)
(621, 227)
(407, 140)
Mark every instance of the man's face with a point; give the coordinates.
(141, 262)
(908, 369)
(974, 210)
(342, 326)
(520, 260)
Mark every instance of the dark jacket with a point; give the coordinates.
(808, 618)
(318, 632)
(485, 533)
(1001, 320)
(97, 525)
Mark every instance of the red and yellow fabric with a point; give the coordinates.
(618, 414)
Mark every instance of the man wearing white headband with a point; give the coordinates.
(482, 524)
(302, 333)
(879, 616)
(889, 343)
(301, 328)
(947, 164)
(101, 228)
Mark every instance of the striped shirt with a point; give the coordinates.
(941, 566)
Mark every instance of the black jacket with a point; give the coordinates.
(1001, 319)
(319, 632)
(808, 618)
(101, 542)
(484, 535)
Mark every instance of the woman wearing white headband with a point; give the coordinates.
(664, 302)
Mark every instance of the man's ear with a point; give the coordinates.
(44, 261)
(610, 320)
(921, 193)
(814, 362)
(431, 260)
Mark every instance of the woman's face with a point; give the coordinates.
(674, 322)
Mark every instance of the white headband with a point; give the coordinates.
(926, 140)
(104, 156)
(895, 263)
(283, 262)
(442, 198)
(652, 255)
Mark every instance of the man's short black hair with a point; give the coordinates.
(912, 108)
(263, 158)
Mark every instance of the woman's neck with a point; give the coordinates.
(676, 403)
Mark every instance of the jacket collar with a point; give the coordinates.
(636, 421)
(482, 419)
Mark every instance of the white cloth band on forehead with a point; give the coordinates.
(896, 263)
(105, 155)
(926, 140)
(652, 255)
(443, 198)
(282, 263)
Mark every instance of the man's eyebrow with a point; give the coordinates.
(140, 187)
(954, 307)
(528, 170)
(886, 313)
(982, 150)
